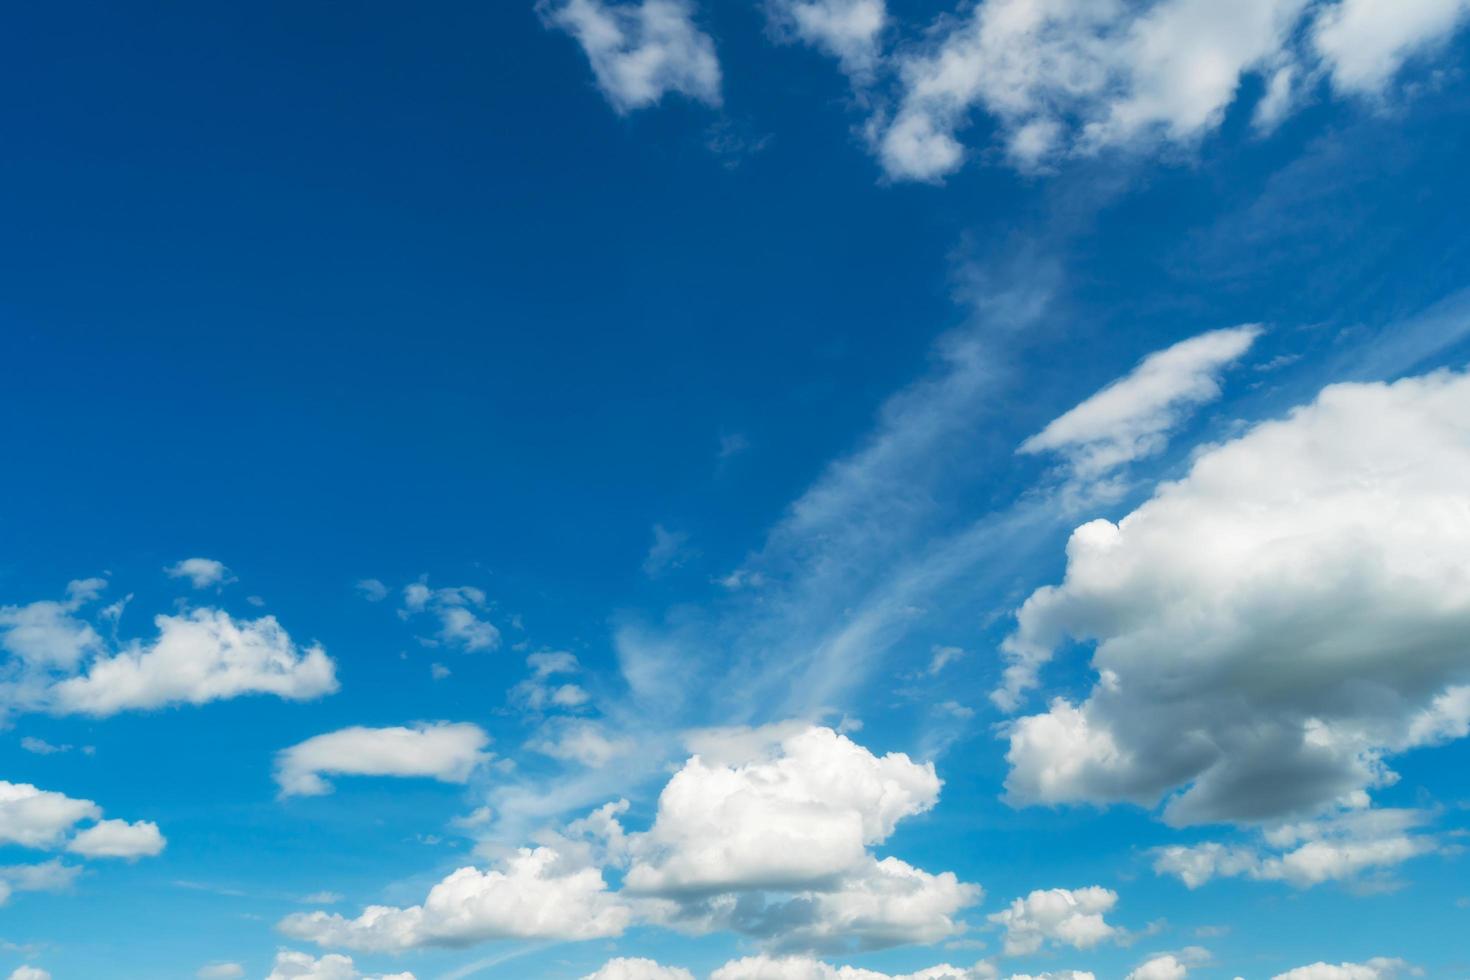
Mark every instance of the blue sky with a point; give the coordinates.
(787, 490)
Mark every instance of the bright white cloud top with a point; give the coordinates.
(47, 820)
(1292, 571)
(446, 751)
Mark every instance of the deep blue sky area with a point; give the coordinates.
(715, 390)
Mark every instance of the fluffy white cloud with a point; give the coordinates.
(201, 572)
(302, 966)
(31, 817)
(38, 818)
(45, 635)
(446, 751)
(1272, 625)
(29, 973)
(806, 968)
(1165, 966)
(118, 839)
(623, 968)
(1378, 968)
(1073, 77)
(640, 50)
(201, 656)
(1364, 43)
(1057, 915)
(588, 743)
(1131, 417)
(848, 30)
(800, 813)
(537, 895)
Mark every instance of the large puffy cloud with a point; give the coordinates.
(201, 656)
(1271, 626)
(1378, 968)
(536, 895)
(442, 750)
(624, 968)
(1131, 417)
(290, 965)
(641, 50)
(1057, 915)
(799, 814)
(1066, 77)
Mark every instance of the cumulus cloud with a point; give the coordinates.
(1057, 915)
(1165, 966)
(540, 692)
(29, 973)
(291, 965)
(624, 968)
(848, 30)
(1378, 968)
(446, 751)
(1066, 78)
(1273, 625)
(642, 50)
(800, 813)
(535, 895)
(1131, 417)
(46, 636)
(201, 572)
(118, 839)
(44, 819)
(587, 743)
(201, 656)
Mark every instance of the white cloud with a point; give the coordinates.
(540, 693)
(805, 809)
(1309, 853)
(848, 30)
(201, 656)
(454, 607)
(49, 876)
(119, 839)
(534, 896)
(641, 50)
(624, 968)
(201, 572)
(1131, 417)
(38, 818)
(1364, 43)
(588, 743)
(220, 971)
(1378, 968)
(1272, 625)
(806, 968)
(29, 973)
(291, 965)
(1057, 915)
(448, 752)
(1165, 966)
(40, 746)
(1075, 77)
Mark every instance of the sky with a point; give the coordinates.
(740, 490)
